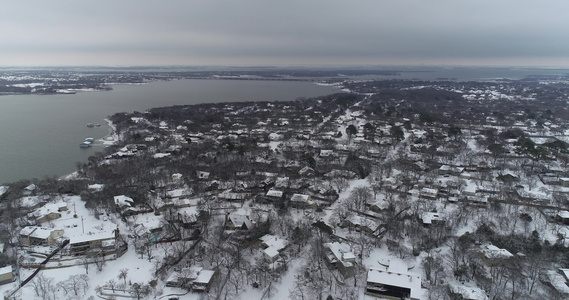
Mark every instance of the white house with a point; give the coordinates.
(395, 282)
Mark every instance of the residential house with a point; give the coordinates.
(30, 189)
(203, 175)
(126, 206)
(562, 217)
(123, 202)
(565, 273)
(194, 278)
(564, 181)
(432, 219)
(177, 178)
(235, 221)
(340, 255)
(97, 187)
(429, 193)
(395, 282)
(230, 195)
(478, 200)
(178, 193)
(6, 275)
(450, 170)
(379, 205)
(282, 182)
(306, 172)
(360, 223)
(101, 242)
(273, 195)
(301, 200)
(188, 216)
(33, 235)
(48, 212)
(272, 247)
(203, 281)
(493, 255)
(326, 153)
(467, 292)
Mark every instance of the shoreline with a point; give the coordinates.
(111, 138)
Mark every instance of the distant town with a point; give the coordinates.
(391, 189)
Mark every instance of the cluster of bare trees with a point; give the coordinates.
(75, 287)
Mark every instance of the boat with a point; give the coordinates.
(90, 125)
(90, 140)
(85, 144)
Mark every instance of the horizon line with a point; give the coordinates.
(329, 66)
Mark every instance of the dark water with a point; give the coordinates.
(466, 73)
(40, 134)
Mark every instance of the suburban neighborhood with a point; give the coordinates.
(388, 190)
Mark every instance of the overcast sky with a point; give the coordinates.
(268, 32)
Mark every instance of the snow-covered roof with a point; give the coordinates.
(563, 214)
(204, 276)
(274, 193)
(282, 181)
(30, 201)
(3, 189)
(271, 252)
(300, 198)
(429, 217)
(401, 279)
(564, 272)
(177, 193)
(104, 235)
(341, 251)
(49, 208)
(239, 220)
(96, 187)
(468, 291)
(160, 155)
(491, 251)
(274, 242)
(36, 232)
(6, 270)
(203, 175)
(123, 200)
(30, 187)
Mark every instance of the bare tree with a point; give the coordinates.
(360, 196)
(44, 287)
(77, 284)
(112, 284)
(139, 290)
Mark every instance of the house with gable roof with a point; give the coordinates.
(562, 217)
(235, 221)
(195, 278)
(34, 235)
(48, 212)
(273, 246)
(492, 255)
(340, 255)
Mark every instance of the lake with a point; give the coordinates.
(40, 134)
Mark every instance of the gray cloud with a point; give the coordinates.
(258, 32)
